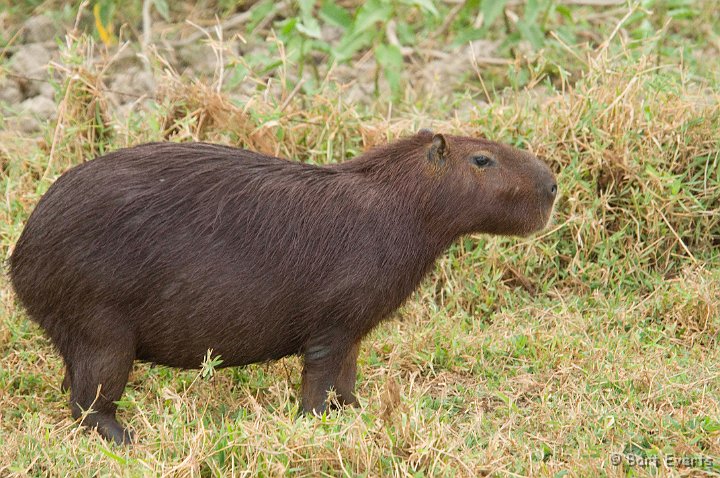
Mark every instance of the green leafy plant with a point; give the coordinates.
(364, 29)
(209, 364)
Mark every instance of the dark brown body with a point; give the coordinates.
(163, 251)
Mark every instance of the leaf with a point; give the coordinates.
(532, 33)
(209, 364)
(258, 14)
(471, 7)
(310, 27)
(352, 42)
(564, 11)
(507, 401)
(391, 60)
(491, 9)
(532, 8)
(682, 13)
(675, 186)
(286, 28)
(335, 15)
(306, 7)
(468, 35)
(163, 9)
(102, 12)
(426, 5)
(371, 13)
(112, 455)
(405, 34)
(389, 55)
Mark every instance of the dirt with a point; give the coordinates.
(28, 98)
(40, 28)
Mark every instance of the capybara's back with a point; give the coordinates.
(163, 251)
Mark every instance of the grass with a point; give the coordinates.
(516, 357)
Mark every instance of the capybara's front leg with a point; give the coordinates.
(345, 382)
(321, 368)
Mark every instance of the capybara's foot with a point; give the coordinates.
(311, 411)
(65, 385)
(349, 401)
(111, 430)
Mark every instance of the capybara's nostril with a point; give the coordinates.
(547, 188)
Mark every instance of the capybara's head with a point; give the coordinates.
(491, 187)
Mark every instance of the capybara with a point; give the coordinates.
(163, 251)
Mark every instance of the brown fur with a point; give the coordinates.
(163, 251)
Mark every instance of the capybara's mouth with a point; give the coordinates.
(544, 220)
(548, 219)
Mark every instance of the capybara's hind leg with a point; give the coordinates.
(98, 374)
(65, 385)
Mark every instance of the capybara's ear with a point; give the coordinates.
(438, 150)
(425, 132)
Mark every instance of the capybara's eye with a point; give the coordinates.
(481, 161)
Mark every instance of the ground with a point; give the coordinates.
(590, 349)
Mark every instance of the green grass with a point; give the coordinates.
(516, 357)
